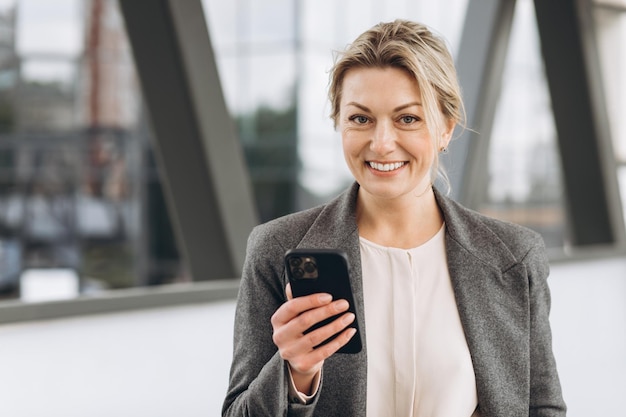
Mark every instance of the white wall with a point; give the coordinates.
(175, 361)
(589, 330)
(152, 363)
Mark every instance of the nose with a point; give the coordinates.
(384, 139)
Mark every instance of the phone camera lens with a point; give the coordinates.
(295, 262)
(297, 272)
(309, 267)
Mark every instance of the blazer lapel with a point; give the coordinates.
(491, 290)
(336, 228)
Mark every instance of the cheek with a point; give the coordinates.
(417, 143)
(349, 141)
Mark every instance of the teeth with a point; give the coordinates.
(386, 167)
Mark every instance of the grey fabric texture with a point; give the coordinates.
(498, 272)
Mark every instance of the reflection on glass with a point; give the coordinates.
(273, 57)
(524, 184)
(79, 188)
(76, 177)
(610, 22)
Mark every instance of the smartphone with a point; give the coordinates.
(313, 271)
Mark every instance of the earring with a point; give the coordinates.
(444, 149)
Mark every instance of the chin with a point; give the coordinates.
(384, 191)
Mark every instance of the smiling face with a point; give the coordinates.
(386, 142)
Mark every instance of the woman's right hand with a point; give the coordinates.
(290, 322)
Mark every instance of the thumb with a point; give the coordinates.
(288, 291)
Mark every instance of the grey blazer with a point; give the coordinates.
(498, 272)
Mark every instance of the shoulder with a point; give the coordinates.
(326, 225)
(285, 231)
(263, 265)
(517, 236)
(490, 239)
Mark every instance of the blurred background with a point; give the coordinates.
(94, 169)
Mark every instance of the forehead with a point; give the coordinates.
(379, 84)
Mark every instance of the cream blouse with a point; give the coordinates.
(418, 362)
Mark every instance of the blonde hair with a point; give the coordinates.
(412, 47)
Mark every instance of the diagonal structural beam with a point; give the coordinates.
(572, 68)
(206, 182)
(480, 64)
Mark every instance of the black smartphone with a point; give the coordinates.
(313, 271)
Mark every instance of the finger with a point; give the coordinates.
(305, 363)
(288, 291)
(298, 305)
(317, 336)
(337, 343)
(292, 342)
(306, 320)
(288, 334)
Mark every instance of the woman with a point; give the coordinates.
(452, 306)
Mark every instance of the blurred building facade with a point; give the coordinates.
(79, 186)
(77, 164)
(275, 55)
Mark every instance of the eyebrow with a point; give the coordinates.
(402, 107)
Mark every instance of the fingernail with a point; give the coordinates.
(342, 305)
(348, 318)
(325, 298)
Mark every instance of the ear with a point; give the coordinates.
(447, 134)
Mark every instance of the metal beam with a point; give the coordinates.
(116, 301)
(569, 51)
(480, 64)
(206, 182)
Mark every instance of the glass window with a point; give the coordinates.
(76, 177)
(524, 175)
(258, 63)
(79, 189)
(610, 18)
(276, 56)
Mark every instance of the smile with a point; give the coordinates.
(386, 167)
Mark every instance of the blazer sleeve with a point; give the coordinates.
(546, 399)
(258, 384)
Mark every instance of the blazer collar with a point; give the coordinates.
(336, 227)
(467, 229)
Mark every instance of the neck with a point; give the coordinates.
(402, 223)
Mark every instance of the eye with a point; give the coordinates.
(358, 119)
(408, 119)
